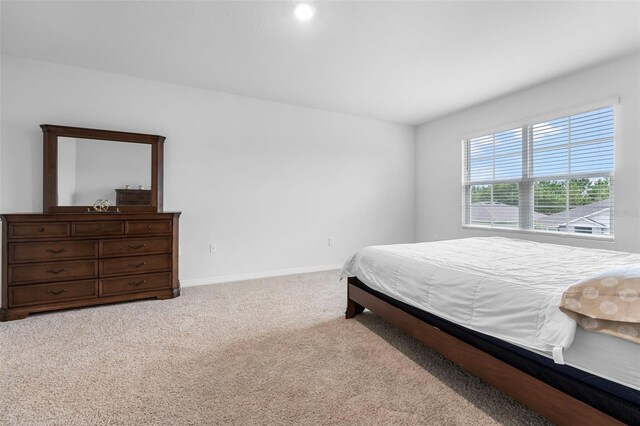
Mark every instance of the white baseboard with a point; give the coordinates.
(256, 275)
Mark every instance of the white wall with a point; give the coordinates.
(438, 151)
(268, 182)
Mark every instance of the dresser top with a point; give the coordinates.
(61, 217)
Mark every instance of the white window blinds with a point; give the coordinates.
(494, 168)
(555, 175)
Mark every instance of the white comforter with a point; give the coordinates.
(506, 288)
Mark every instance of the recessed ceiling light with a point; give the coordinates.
(304, 11)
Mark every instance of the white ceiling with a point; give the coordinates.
(406, 62)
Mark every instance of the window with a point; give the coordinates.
(553, 176)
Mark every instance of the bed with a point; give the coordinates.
(492, 306)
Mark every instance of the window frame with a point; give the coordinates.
(526, 181)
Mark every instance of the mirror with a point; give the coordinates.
(90, 170)
(82, 166)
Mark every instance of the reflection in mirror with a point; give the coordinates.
(90, 169)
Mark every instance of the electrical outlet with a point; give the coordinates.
(213, 248)
(331, 242)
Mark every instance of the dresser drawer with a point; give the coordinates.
(51, 293)
(107, 228)
(134, 284)
(135, 264)
(25, 252)
(129, 246)
(137, 227)
(56, 271)
(39, 230)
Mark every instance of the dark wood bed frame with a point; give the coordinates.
(557, 406)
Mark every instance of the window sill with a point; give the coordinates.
(603, 238)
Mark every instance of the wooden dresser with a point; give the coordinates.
(54, 261)
(133, 197)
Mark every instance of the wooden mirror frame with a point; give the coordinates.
(50, 170)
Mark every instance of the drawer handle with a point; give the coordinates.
(137, 265)
(55, 293)
(148, 226)
(51, 271)
(137, 283)
(137, 246)
(56, 251)
(99, 228)
(40, 229)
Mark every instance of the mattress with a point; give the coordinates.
(508, 289)
(606, 356)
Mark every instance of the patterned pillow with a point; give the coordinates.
(607, 302)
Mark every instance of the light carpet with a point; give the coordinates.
(268, 351)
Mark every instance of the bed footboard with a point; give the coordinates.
(353, 308)
(557, 406)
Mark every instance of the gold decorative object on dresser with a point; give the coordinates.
(72, 256)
